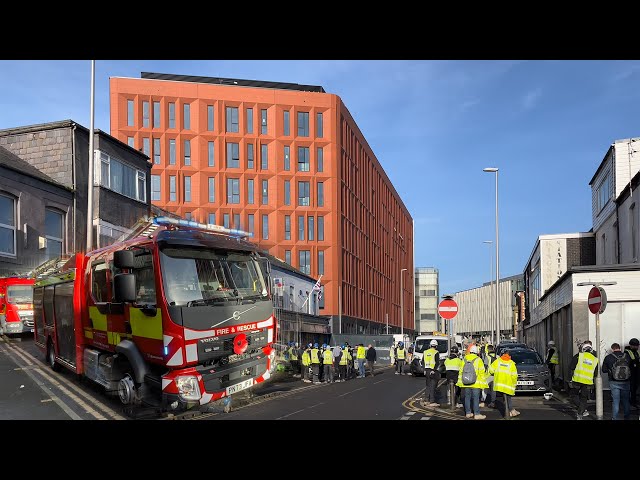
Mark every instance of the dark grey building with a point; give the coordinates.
(122, 177)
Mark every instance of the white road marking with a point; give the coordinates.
(351, 391)
(380, 381)
(425, 418)
(288, 415)
(410, 413)
(404, 418)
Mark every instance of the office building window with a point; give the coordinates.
(172, 151)
(265, 192)
(120, 177)
(303, 194)
(320, 262)
(186, 116)
(131, 142)
(250, 223)
(212, 219)
(263, 121)
(305, 261)
(287, 192)
(212, 189)
(264, 157)
(211, 154)
(156, 114)
(250, 196)
(130, 113)
(265, 227)
(249, 155)
(54, 233)
(172, 188)
(210, 118)
(236, 221)
(320, 228)
(319, 125)
(187, 216)
(300, 227)
(249, 120)
(320, 159)
(287, 161)
(303, 124)
(155, 188)
(321, 194)
(156, 151)
(145, 114)
(286, 128)
(172, 115)
(310, 228)
(225, 220)
(146, 149)
(7, 225)
(233, 155)
(287, 227)
(232, 119)
(187, 188)
(233, 190)
(287, 256)
(187, 152)
(303, 159)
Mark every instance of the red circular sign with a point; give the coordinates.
(448, 309)
(597, 300)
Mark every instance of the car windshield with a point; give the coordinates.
(525, 357)
(195, 277)
(20, 294)
(423, 344)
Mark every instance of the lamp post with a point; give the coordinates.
(495, 170)
(402, 303)
(491, 302)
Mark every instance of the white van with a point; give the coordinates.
(421, 344)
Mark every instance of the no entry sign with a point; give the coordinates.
(448, 308)
(597, 300)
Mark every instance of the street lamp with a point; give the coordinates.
(402, 303)
(495, 170)
(489, 242)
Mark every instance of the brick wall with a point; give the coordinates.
(581, 251)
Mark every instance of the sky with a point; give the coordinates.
(433, 125)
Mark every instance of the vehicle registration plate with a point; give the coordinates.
(524, 382)
(231, 389)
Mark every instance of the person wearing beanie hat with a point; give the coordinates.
(632, 351)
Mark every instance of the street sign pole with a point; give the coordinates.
(448, 309)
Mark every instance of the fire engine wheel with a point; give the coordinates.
(51, 357)
(127, 390)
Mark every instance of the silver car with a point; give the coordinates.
(533, 373)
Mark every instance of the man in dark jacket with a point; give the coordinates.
(619, 387)
(632, 351)
(371, 358)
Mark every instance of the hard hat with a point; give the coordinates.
(295, 344)
(342, 346)
(454, 349)
(473, 349)
(315, 345)
(586, 347)
(634, 342)
(327, 347)
(400, 344)
(551, 343)
(433, 343)
(309, 345)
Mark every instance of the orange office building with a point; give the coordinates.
(287, 163)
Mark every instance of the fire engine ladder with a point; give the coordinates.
(49, 267)
(143, 227)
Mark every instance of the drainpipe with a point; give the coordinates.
(73, 182)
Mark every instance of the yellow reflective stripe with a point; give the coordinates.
(88, 333)
(145, 326)
(504, 385)
(98, 320)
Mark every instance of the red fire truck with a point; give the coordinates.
(177, 316)
(16, 305)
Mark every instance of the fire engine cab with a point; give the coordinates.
(177, 316)
(16, 305)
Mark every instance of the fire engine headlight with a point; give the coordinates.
(272, 360)
(188, 388)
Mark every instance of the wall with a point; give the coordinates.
(289, 297)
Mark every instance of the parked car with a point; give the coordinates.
(533, 373)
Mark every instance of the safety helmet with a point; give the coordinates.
(586, 347)
(433, 343)
(473, 348)
(634, 342)
(295, 344)
(454, 349)
(400, 344)
(551, 343)
(342, 346)
(326, 347)
(315, 345)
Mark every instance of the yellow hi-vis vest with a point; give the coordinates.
(306, 358)
(362, 353)
(346, 356)
(478, 365)
(453, 364)
(583, 373)
(554, 357)
(314, 356)
(400, 353)
(505, 376)
(631, 354)
(328, 357)
(429, 358)
(293, 353)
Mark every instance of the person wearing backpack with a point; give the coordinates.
(618, 365)
(471, 381)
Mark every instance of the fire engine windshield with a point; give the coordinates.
(201, 277)
(20, 294)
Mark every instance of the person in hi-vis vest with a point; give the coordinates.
(401, 355)
(361, 354)
(583, 368)
(552, 359)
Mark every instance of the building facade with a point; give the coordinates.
(287, 163)
(427, 292)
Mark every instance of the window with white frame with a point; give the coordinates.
(120, 177)
(155, 188)
(7, 225)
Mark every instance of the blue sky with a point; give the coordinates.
(433, 125)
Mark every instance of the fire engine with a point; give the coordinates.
(16, 305)
(178, 315)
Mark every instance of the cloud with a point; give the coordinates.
(531, 98)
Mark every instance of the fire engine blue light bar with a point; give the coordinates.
(207, 227)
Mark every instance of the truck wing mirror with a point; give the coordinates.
(123, 259)
(124, 285)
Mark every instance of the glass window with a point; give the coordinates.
(187, 152)
(131, 142)
(130, 116)
(303, 124)
(212, 219)
(146, 148)
(172, 188)
(287, 192)
(54, 231)
(249, 120)
(250, 222)
(212, 189)
(320, 159)
(121, 178)
(187, 215)
(145, 114)
(211, 154)
(233, 155)
(187, 188)
(300, 227)
(99, 285)
(320, 262)
(303, 159)
(264, 157)
(250, 198)
(320, 228)
(265, 192)
(321, 194)
(286, 129)
(172, 151)
(236, 221)
(156, 151)
(155, 188)
(186, 118)
(319, 125)
(303, 194)
(287, 160)
(225, 220)
(233, 190)
(172, 115)
(305, 261)
(249, 155)
(287, 227)
(634, 232)
(210, 118)
(232, 119)
(287, 256)
(142, 186)
(7, 225)
(156, 114)
(265, 227)
(310, 228)
(263, 121)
